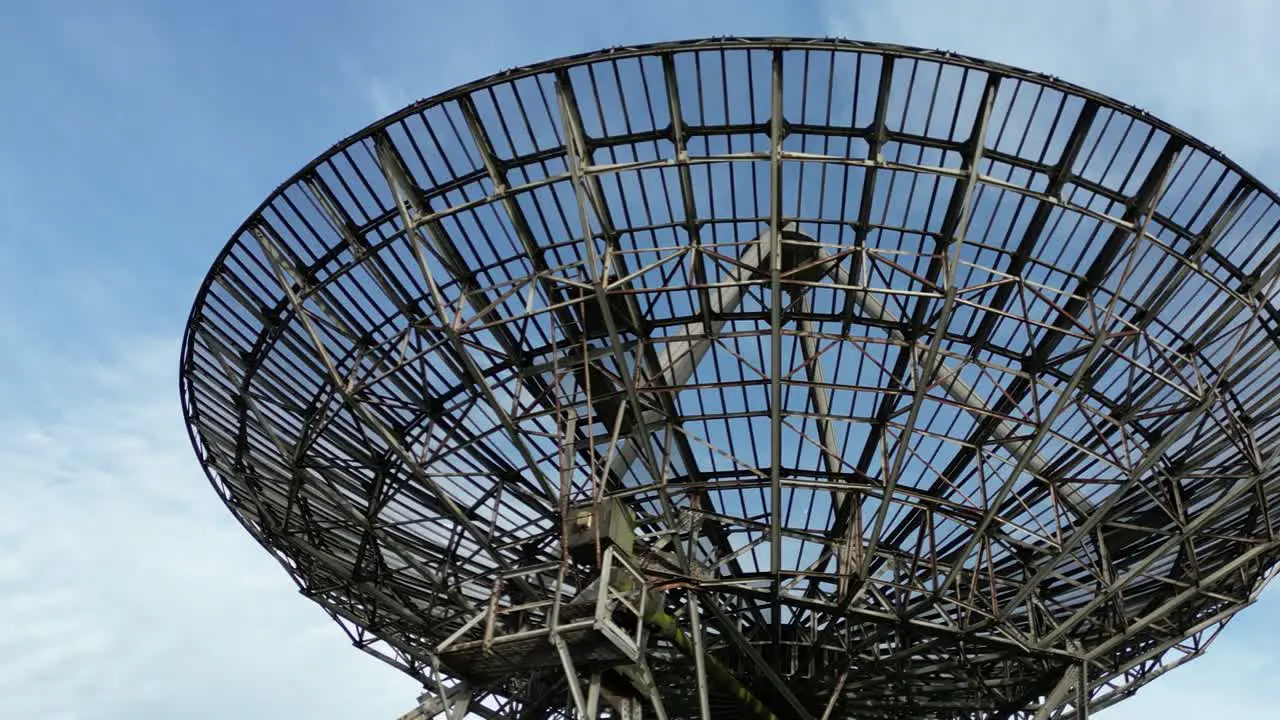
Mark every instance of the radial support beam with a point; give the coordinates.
(820, 401)
(1169, 286)
(1139, 209)
(836, 693)
(407, 198)
(1036, 227)
(775, 344)
(394, 167)
(588, 703)
(944, 267)
(678, 359)
(588, 191)
(1027, 452)
(1187, 420)
(292, 283)
(1103, 511)
(1176, 601)
(948, 378)
(875, 148)
(1082, 692)
(598, 270)
(688, 196)
(1142, 205)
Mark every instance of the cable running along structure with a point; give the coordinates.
(798, 379)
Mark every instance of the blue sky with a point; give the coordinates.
(137, 135)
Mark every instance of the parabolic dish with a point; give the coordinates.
(933, 381)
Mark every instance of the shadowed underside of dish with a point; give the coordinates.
(923, 386)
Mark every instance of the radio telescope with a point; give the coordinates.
(805, 379)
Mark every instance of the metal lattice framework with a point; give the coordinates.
(936, 386)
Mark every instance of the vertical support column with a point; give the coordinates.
(1072, 690)
(629, 709)
(1082, 691)
(587, 704)
(775, 348)
(699, 658)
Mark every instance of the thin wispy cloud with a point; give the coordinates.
(125, 589)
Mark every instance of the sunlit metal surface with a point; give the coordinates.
(935, 382)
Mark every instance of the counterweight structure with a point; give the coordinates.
(756, 378)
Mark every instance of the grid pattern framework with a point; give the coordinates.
(933, 382)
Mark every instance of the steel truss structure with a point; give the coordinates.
(934, 387)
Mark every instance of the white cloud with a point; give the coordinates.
(128, 591)
(1206, 67)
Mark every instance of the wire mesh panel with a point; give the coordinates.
(932, 381)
